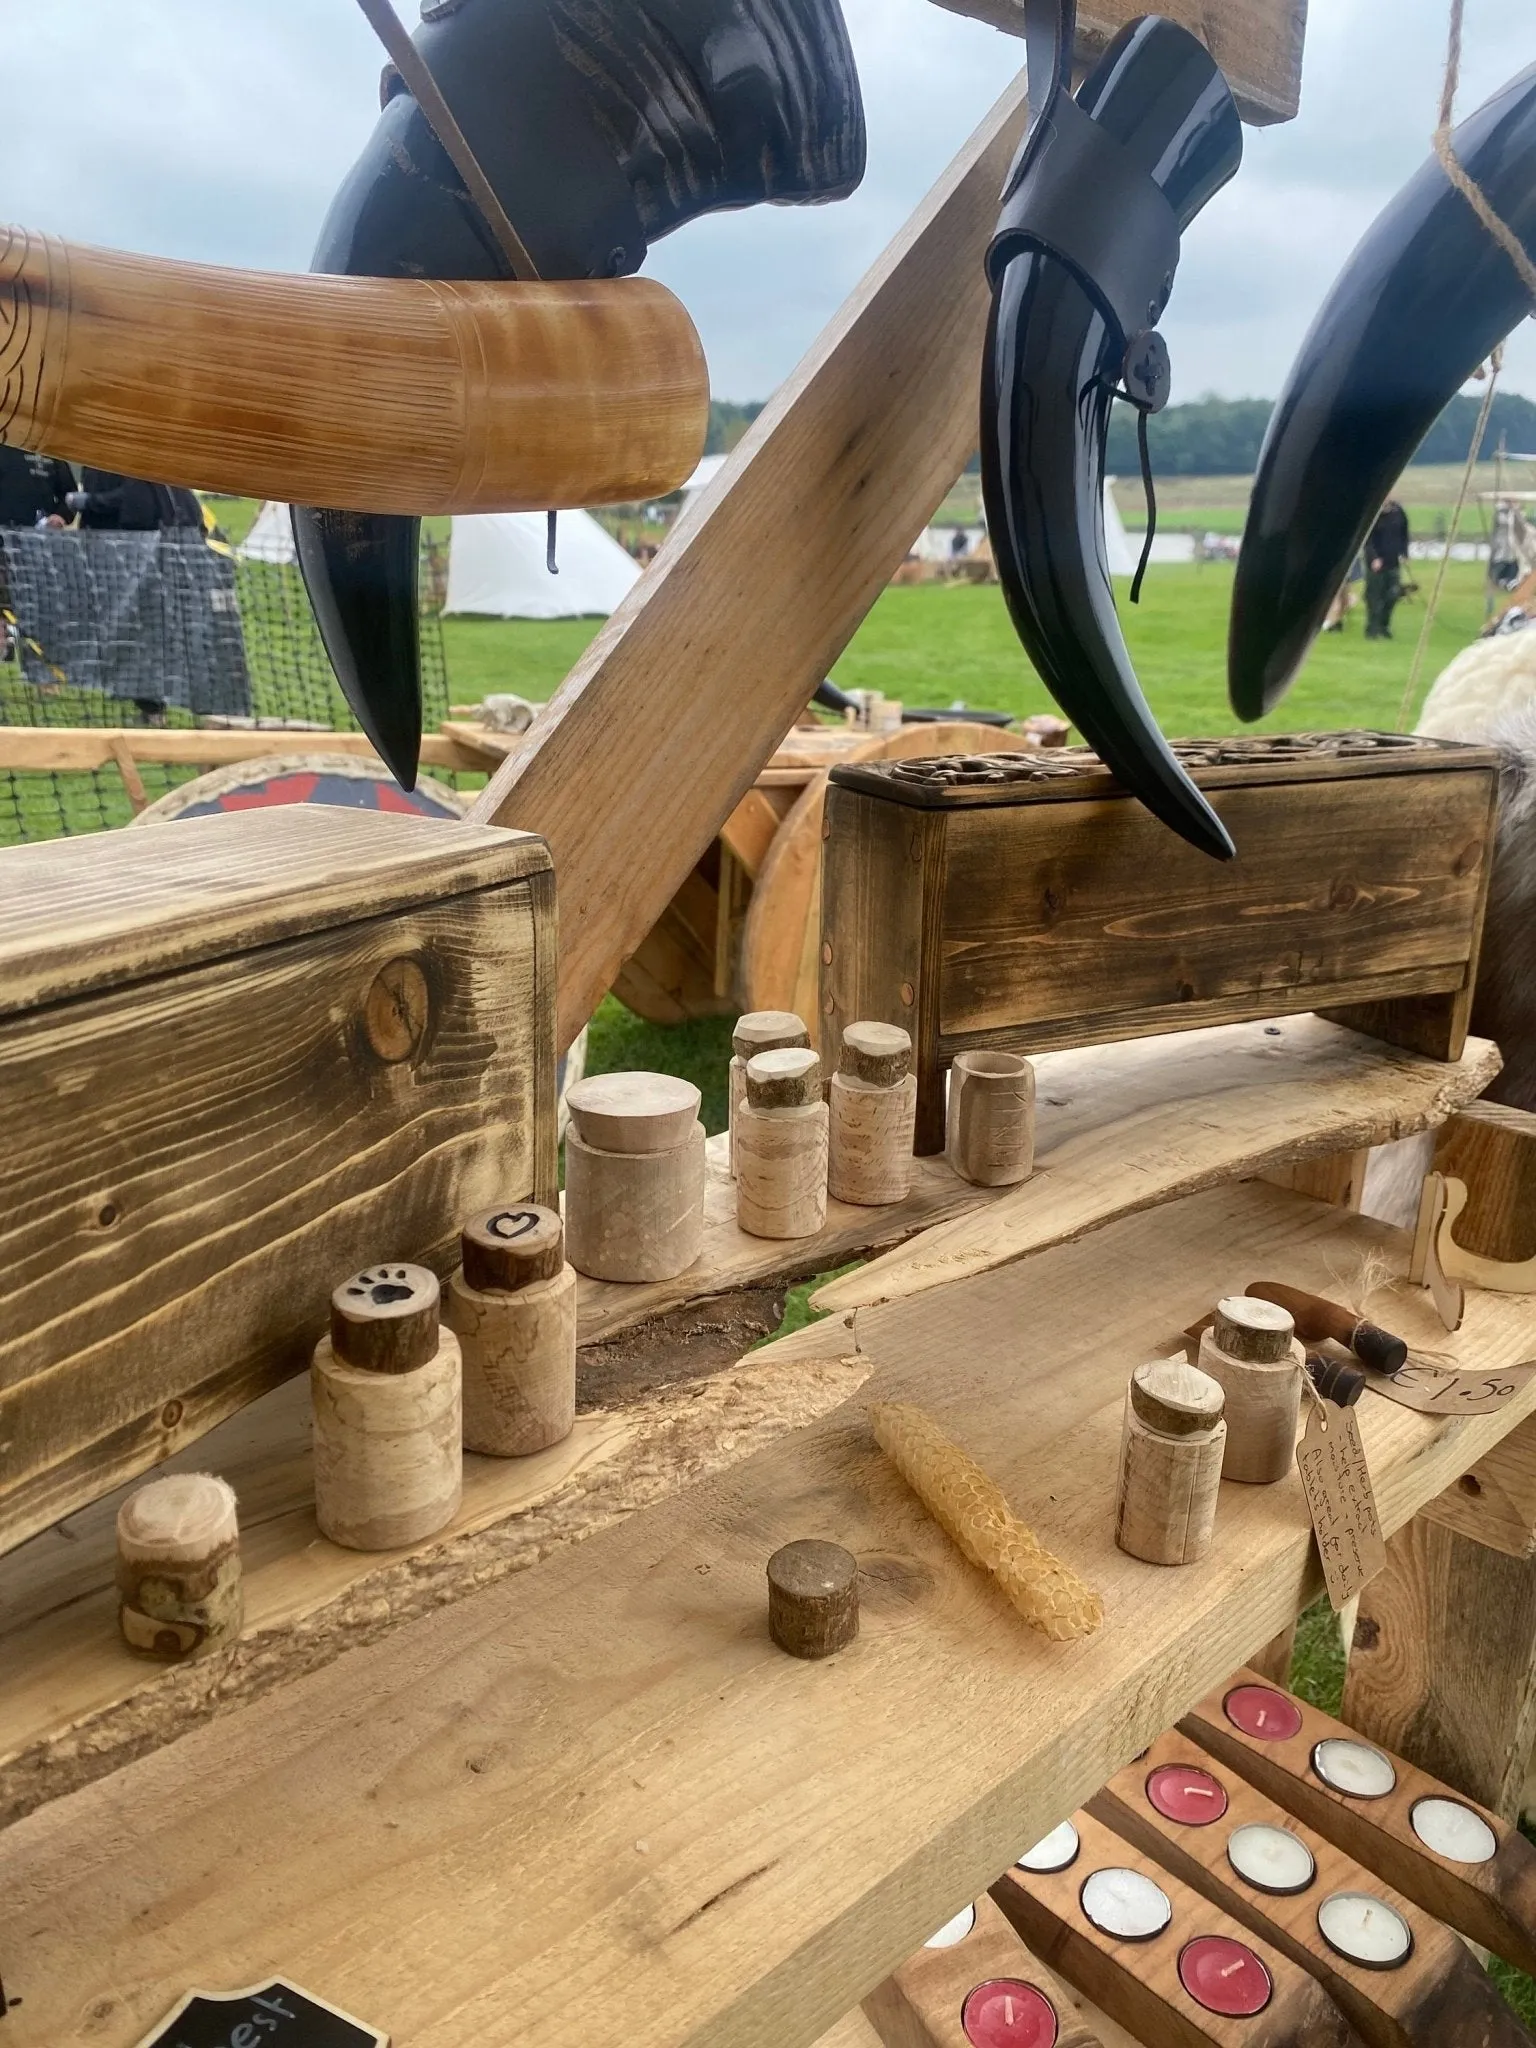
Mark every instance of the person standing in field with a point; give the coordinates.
(1386, 549)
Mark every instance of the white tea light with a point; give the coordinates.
(1365, 1929)
(1054, 1851)
(1453, 1831)
(1354, 1768)
(1271, 1859)
(953, 1932)
(1125, 1905)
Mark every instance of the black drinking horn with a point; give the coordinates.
(1081, 267)
(601, 126)
(1420, 303)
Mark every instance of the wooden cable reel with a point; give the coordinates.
(365, 394)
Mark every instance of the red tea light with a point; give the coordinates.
(1260, 1711)
(1007, 2013)
(1225, 1976)
(1184, 1793)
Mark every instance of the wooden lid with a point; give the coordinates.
(111, 908)
(182, 1518)
(512, 1247)
(788, 1078)
(1258, 1332)
(878, 1053)
(385, 1319)
(1176, 1398)
(634, 1112)
(767, 1031)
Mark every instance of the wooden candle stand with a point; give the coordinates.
(1020, 902)
(956, 1991)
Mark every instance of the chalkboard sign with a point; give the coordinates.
(274, 2015)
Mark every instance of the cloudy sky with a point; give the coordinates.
(218, 132)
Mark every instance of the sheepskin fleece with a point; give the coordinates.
(1487, 682)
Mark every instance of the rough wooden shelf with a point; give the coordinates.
(1120, 1127)
(596, 1786)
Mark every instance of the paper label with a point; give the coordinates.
(275, 2015)
(1331, 1460)
(1440, 1390)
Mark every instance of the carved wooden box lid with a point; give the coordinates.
(965, 781)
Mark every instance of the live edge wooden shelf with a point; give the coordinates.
(597, 1787)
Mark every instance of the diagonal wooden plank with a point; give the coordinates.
(761, 587)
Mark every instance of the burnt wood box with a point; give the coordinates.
(241, 1057)
(1022, 902)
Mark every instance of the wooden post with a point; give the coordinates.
(387, 1412)
(990, 1128)
(1171, 1448)
(512, 1306)
(178, 1566)
(1251, 1350)
(781, 1146)
(873, 1103)
(634, 1177)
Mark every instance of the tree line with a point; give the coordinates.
(1222, 436)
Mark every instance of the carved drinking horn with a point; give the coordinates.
(601, 125)
(1420, 303)
(1082, 266)
(401, 396)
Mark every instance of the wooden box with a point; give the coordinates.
(1025, 902)
(240, 1057)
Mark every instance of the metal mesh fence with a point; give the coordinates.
(160, 631)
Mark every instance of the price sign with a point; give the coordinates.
(1442, 1390)
(1331, 1460)
(274, 2015)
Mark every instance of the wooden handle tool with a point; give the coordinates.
(1316, 1318)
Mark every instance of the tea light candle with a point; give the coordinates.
(1271, 1859)
(1260, 1711)
(1365, 1929)
(953, 1932)
(1125, 1905)
(1453, 1831)
(1354, 1768)
(1184, 1793)
(1007, 2013)
(1225, 1976)
(1055, 1851)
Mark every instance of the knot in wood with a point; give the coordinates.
(1176, 1398)
(879, 1054)
(767, 1031)
(512, 1247)
(1256, 1331)
(813, 1598)
(396, 1011)
(787, 1079)
(385, 1319)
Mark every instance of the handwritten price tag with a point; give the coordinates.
(1439, 1390)
(1334, 1477)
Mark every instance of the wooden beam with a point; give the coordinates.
(62, 749)
(596, 1786)
(762, 585)
(1495, 1502)
(1257, 43)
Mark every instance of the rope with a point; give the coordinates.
(1451, 164)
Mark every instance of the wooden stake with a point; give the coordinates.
(758, 1031)
(990, 1132)
(781, 1146)
(178, 1567)
(1171, 1449)
(1252, 1352)
(873, 1104)
(813, 1598)
(512, 1307)
(388, 1416)
(634, 1177)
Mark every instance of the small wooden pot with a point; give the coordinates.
(873, 1104)
(1252, 1351)
(990, 1130)
(512, 1306)
(1171, 1447)
(758, 1031)
(634, 1177)
(178, 1567)
(781, 1185)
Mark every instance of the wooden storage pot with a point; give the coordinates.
(512, 1306)
(237, 1054)
(1025, 902)
(634, 1177)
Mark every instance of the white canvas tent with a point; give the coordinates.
(496, 563)
(936, 543)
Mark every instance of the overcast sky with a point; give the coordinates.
(216, 131)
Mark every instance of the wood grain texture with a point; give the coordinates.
(198, 1154)
(920, 2005)
(604, 1775)
(1137, 1982)
(1493, 1903)
(1257, 43)
(1440, 1998)
(55, 749)
(366, 394)
(1495, 1502)
(762, 584)
(1492, 1148)
(1443, 1668)
(1133, 1124)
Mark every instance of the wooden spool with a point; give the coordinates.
(781, 1146)
(990, 1128)
(408, 395)
(758, 1031)
(1251, 1350)
(634, 1177)
(388, 1416)
(813, 1598)
(512, 1306)
(873, 1105)
(1171, 1448)
(178, 1567)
